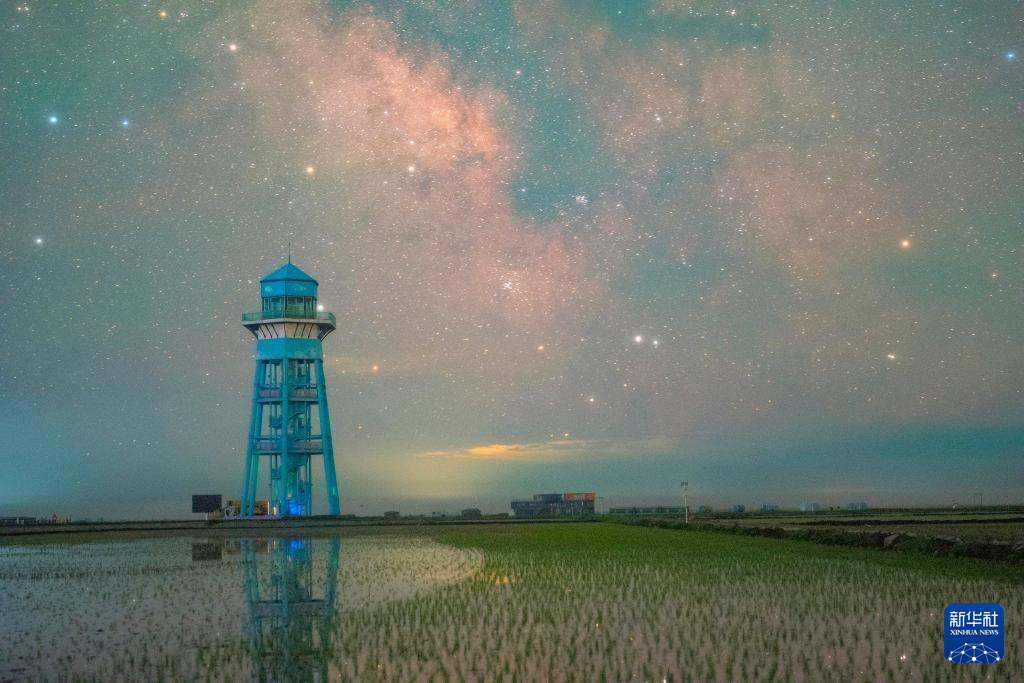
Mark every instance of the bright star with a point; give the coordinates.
(124, 123)
(38, 240)
(1011, 56)
(53, 119)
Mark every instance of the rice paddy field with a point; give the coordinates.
(988, 527)
(494, 602)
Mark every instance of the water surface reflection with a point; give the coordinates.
(289, 613)
(208, 608)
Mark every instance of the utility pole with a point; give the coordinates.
(686, 507)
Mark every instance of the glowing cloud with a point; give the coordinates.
(575, 449)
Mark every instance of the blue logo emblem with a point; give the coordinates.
(974, 632)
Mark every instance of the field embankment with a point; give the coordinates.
(999, 538)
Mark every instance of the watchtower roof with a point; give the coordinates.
(291, 272)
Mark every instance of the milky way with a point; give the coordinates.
(772, 249)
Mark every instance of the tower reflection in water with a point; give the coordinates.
(290, 606)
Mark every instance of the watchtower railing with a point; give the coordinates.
(264, 444)
(298, 314)
(296, 392)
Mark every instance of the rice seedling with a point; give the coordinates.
(567, 602)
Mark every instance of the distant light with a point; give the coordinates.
(163, 14)
(53, 119)
(1011, 56)
(654, 342)
(540, 347)
(125, 123)
(905, 244)
(375, 368)
(639, 339)
(310, 170)
(591, 399)
(233, 47)
(38, 240)
(412, 169)
(891, 356)
(319, 307)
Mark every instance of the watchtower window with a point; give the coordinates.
(290, 306)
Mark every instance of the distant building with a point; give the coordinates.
(391, 514)
(705, 509)
(769, 507)
(471, 513)
(739, 509)
(17, 521)
(858, 505)
(555, 505)
(648, 510)
(809, 507)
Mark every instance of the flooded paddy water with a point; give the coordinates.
(202, 608)
(566, 602)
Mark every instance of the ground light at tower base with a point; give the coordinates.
(290, 422)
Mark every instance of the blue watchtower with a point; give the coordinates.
(288, 385)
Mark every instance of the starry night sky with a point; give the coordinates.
(771, 248)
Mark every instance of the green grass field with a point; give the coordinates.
(606, 602)
(623, 542)
(502, 602)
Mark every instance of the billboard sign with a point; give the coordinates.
(206, 503)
